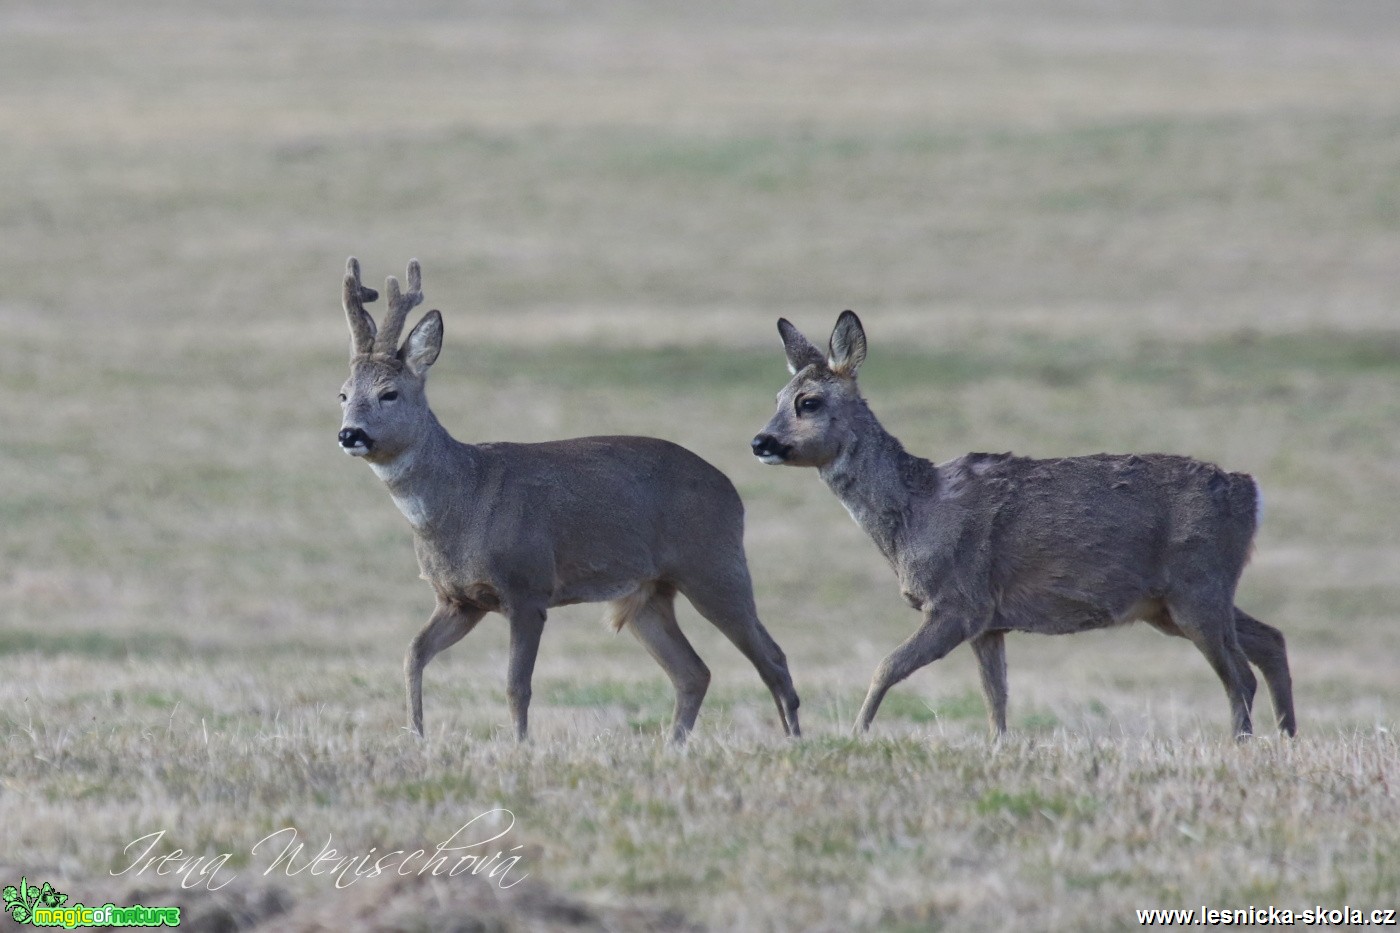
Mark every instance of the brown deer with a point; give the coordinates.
(519, 528)
(990, 543)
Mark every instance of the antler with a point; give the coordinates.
(400, 303)
(354, 298)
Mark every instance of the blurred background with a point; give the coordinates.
(1068, 227)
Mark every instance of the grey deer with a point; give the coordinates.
(990, 543)
(520, 528)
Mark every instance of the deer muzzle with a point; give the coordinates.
(769, 449)
(355, 442)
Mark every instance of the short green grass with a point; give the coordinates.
(1068, 229)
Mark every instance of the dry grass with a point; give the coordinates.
(1067, 229)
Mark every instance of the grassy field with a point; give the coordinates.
(1067, 228)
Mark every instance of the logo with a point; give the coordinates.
(20, 902)
(43, 906)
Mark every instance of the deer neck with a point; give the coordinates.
(877, 481)
(428, 478)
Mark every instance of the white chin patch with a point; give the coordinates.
(771, 459)
(359, 450)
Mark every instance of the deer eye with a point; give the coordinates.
(389, 396)
(809, 404)
(343, 399)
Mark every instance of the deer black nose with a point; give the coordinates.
(766, 446)
(355, 437)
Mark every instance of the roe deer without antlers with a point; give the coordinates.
(990, 543)
(518, 528)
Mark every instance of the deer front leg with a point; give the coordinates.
(990, 648)
(526, 626)
(934, 639)
(448, 625)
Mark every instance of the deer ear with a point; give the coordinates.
(800, 351)
(424, 342)
(847, 350)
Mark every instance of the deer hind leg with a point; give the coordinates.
(934, 639)
(448, 625)
(1265, 648)
(990, 648)
(651, 617)
(1211, 628)
(727, 602)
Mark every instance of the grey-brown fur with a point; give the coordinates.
(991, 543)
(518, 528)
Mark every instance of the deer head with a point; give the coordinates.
(384, 405)
(820, 408)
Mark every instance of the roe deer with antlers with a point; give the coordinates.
(519, 528)
(990, 543)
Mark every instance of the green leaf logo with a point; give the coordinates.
(21, 901)
(50, 897)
